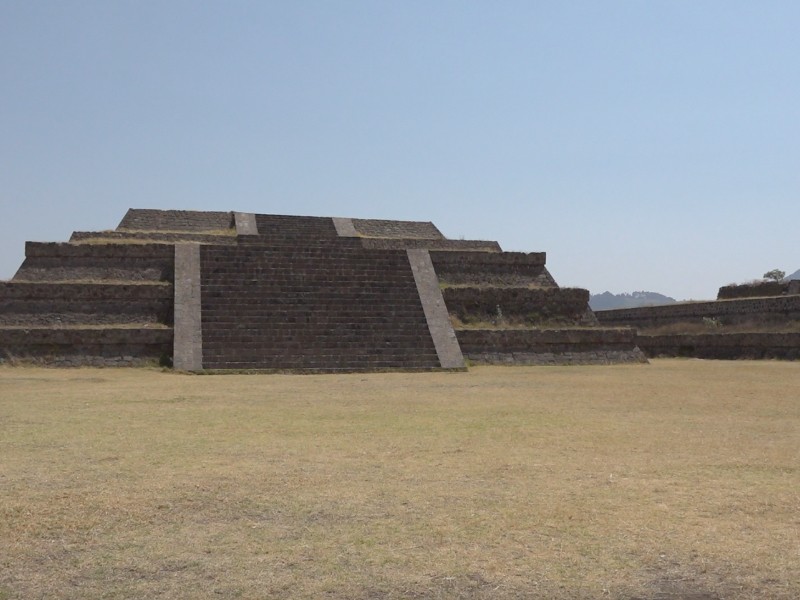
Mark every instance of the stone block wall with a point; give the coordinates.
(124, 262)
(396, 229)
(492, 268)
(72, 347)
(429, 244)
(529, 305)
(144, 219)
(776, 309)
(549, 346)
(319, 307)
(60, 304)
(280, 228)
(753, 290)
(89, 304)
(726, 346)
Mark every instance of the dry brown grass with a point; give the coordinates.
(659, 481)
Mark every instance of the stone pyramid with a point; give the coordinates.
(207, 291)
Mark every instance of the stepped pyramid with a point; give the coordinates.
(243, 291)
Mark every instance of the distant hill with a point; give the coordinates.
(625, 300)
(795, 275)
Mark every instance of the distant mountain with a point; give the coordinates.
(608, 300)
(795, 275)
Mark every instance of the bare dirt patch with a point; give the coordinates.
(677, 480)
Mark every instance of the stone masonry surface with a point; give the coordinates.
(411, 243)
(492, 268)
(723, 345)
(58, 304)
(86, 346)
(397, 229)
(755, 290)
(534, 305)
(555, 346)
(324, 307)
(757, 310)
(144, 219)
(122, 262)
(280, 227)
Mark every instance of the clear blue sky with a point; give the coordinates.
(643, 144)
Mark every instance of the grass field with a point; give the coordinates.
(674, 480)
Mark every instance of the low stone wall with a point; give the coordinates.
(729, 312)
(549, 346)
(530, 305)
(753, 290)
(145, 219)
(750, 290)
(396, 229)
(723, 345)
(76, 347)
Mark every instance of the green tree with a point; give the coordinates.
(775, 275)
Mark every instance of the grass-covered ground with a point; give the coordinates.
(678, 479)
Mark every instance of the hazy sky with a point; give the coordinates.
(642, 144)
